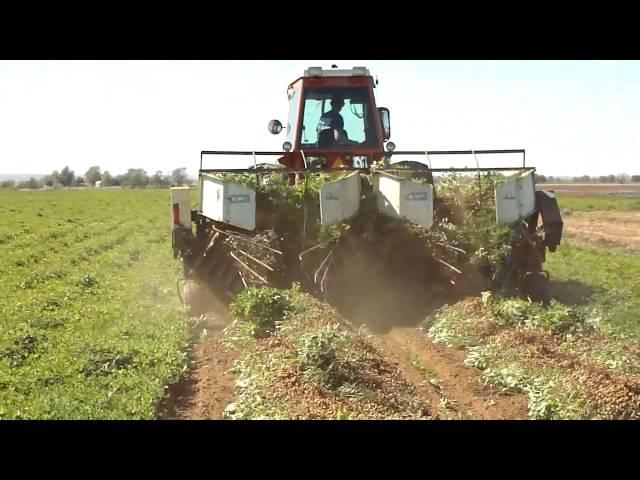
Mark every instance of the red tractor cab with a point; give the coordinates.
(333, 120)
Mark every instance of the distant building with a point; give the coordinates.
(98, 184)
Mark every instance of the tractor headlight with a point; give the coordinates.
(286, 146)
(391, 146)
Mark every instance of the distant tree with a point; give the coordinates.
(31, 183)
(611, 179)
(160, 180)
(8, 184)
(66, 177)
(78, 181)
(622, 178)
(582, 179)
(540, 178)
(156, 179)
(635, 178)
(106, 179)
(51, 179)
(550, 179)
(135, 177)
(179, 176)
(93, 175)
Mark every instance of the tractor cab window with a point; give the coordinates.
(293, 114)
(337, 118)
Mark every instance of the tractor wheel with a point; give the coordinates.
(535, 285)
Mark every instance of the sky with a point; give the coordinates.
(572, 117)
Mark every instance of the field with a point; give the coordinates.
(92, 327)
(598, 262)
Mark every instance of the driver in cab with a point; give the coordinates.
(331, 126)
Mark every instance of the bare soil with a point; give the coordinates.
(591, 189)
(209, 386)
(620, 230)
(460, 384)
(450, 389)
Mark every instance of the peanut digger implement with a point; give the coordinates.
(354, 222)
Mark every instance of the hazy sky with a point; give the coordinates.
(572, 117)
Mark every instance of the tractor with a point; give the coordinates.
(342, 212)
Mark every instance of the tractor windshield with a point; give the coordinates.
(335, 118)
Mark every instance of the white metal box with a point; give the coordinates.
(400, 198)
(340, 199)
(228, 202)
(515, 198)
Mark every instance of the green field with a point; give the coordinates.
(599, 280)
(91, 326)
(599, 203)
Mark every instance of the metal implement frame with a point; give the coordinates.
(367, 169)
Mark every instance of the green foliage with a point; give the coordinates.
(93, 175)
(603, 277)
(262, 309)
(107, 179)
(467, 221)
(135, 177)
(324, 356)
(87, 330)
(254, 377)
(556, 318)
(549, 397)
(286, 205)
(598, 203)
(179, 176)
(276, 186)
(449, 328)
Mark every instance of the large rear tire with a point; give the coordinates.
(536, 286)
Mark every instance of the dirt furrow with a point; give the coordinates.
(209, 388)
(438, 373)
(459, 383)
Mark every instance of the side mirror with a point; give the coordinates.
(275, 127)
(385, 123)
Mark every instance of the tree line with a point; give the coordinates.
(620, 178)
(133, 178)
(138, 178)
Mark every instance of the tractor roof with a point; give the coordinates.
(319, 76)
(332, 72)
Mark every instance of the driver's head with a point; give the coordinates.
(337, 102)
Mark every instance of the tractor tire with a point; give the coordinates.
(536, 286)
